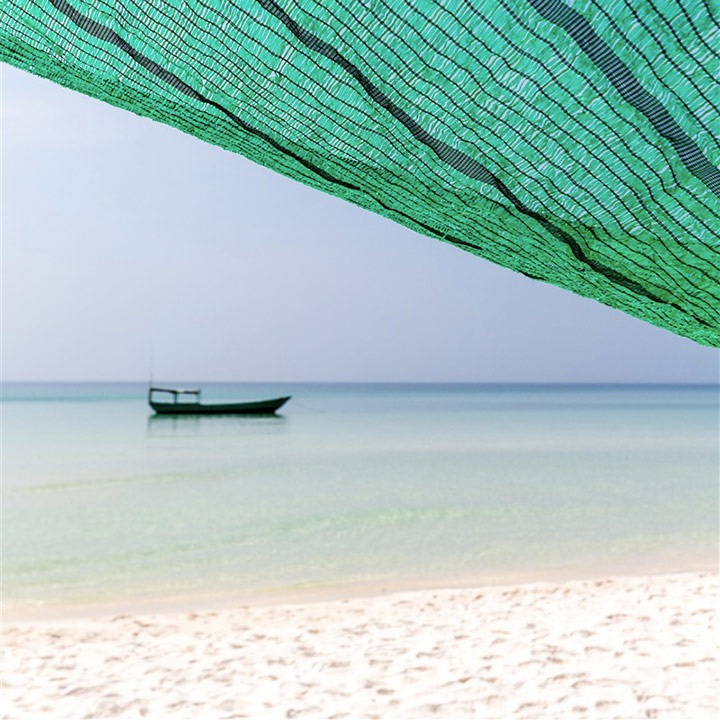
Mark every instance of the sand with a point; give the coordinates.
(638, 647)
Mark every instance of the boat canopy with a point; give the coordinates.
(577, 143)
(175, 392)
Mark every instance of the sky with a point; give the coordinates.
(128, 245)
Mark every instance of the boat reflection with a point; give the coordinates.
(191, 425)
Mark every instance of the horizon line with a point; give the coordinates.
(715, 383)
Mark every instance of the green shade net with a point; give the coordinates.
(574, 142)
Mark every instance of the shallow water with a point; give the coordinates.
(352, 483)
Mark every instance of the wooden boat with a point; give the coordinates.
(195, 407)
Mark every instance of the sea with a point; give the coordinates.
(351, 486)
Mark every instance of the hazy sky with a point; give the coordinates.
(125, 239)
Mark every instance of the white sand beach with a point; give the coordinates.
(631, 647)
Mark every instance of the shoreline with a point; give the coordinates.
(622, 647)
(309, 593)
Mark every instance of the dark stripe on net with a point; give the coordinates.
(638, 250)
(711, 99)
(629, 88)
(456, 159)
(599, 6)
(590, 152)
(672, 189)
(712, 210)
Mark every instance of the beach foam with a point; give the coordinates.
(616, 648)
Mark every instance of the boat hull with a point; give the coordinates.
(259, 407)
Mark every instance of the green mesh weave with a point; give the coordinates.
(575, 142)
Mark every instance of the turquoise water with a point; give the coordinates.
(352, 483)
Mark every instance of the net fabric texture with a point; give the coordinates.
(576, 142)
